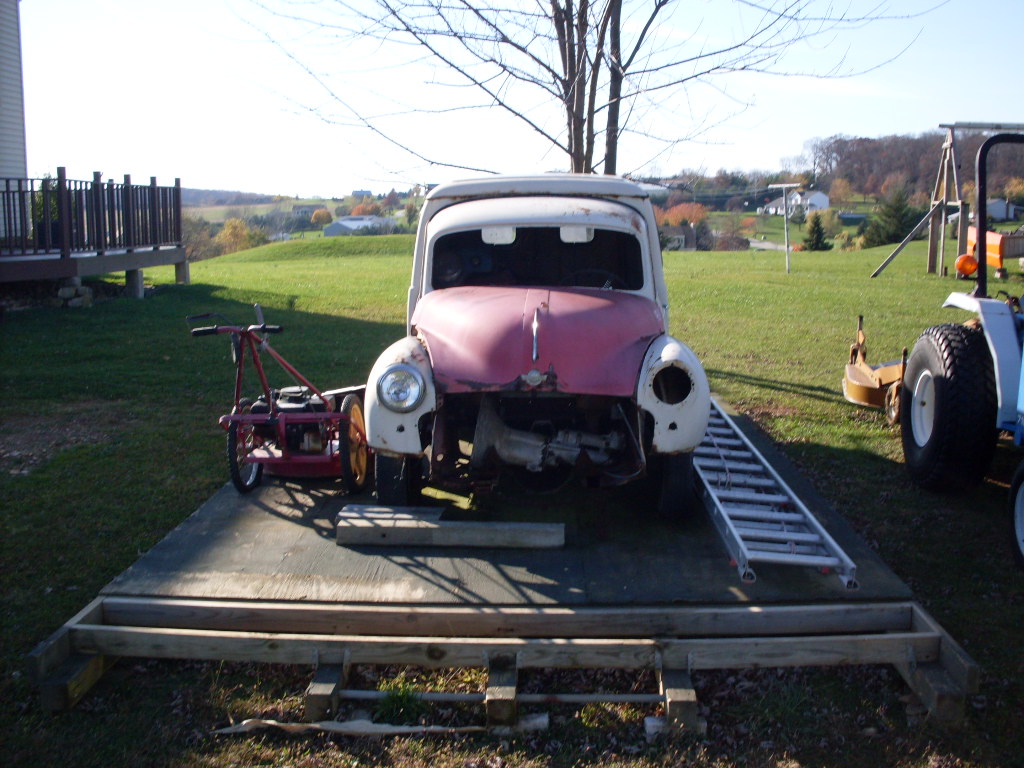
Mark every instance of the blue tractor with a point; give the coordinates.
(962, 383)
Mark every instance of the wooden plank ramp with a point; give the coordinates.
(674, 641)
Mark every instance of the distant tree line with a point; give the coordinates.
(192, 197)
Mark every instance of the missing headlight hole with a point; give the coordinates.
(672, 385)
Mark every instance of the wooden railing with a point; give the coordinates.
(61, 217)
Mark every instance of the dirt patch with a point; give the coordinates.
(27, 441)
(43, 293)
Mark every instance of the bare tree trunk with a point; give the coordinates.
(611, 136)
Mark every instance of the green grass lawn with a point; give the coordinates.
(111, 440)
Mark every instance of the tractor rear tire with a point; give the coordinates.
(1017, 514)
(948, 408)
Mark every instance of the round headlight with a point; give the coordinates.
(401, 388)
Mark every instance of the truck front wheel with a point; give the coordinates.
(398, 480)
(948, 408)
(672, 484)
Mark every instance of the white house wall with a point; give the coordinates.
(12, 97)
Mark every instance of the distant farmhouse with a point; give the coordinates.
(808, 201)
(348, 225)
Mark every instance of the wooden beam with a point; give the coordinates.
(621, 653)
(500, 695)
(954, 659)
(681, 709)
(51, 653)
(71, 681)
(508, 621)
(282, 648)
(323, 691)
(935, 687)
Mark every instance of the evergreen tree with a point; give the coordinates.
(816, 240)
(893, 220)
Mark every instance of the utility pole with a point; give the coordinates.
(785, 212)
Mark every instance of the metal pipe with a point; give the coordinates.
(981, 176)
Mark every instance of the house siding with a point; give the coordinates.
(12, 97)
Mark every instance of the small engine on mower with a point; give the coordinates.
(310, 437)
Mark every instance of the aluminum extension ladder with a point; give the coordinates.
(758, 516)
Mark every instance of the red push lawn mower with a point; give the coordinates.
(295, 431)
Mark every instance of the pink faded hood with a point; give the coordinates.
(575, 340)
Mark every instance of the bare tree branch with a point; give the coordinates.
(588, 58)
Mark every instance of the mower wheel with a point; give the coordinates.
(892, 404)
(398, 480)
(1017, 514)
(353, 451)
(672, 483)
(948, 408)
(241, 441)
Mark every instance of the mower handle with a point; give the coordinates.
(209, 330)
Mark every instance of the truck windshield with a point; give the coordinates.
(539, 256)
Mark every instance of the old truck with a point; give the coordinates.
(537, 346)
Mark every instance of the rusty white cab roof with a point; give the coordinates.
(598, 202)
(574, 184)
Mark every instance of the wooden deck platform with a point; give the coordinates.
(262, 578)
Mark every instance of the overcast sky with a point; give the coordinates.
(195, 89)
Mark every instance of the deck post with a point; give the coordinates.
(64, 212)
(154, 213)
(133, 283)
(98, 214)
(128, 214)
(176, 211)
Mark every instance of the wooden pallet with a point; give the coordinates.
(675, 641)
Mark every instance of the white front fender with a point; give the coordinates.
(674, 390)
(389, 431)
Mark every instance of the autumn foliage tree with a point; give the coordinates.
(1014, 190)
(321, 217)
(237, 235)
(682, 213)
(367, 209)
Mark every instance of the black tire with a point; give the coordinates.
(244, 476)
(352, 448)
(1016, 510)
(673, 486)
(948, 408)
(398, 480)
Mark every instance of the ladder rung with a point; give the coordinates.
(761, 515)
(763, 534)
(704, 462)
(751, 496)
(738, 480)
(703, 450)
(785, 558)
